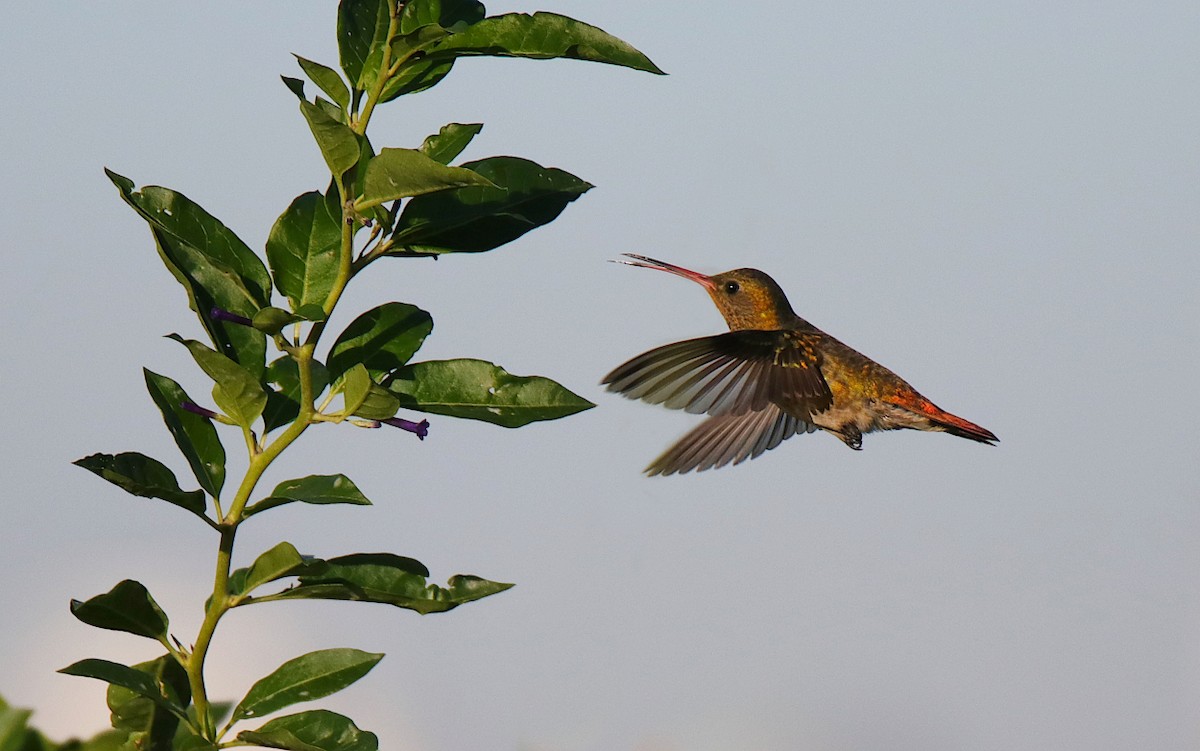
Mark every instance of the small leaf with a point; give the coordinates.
(315, 730)
(356, 385)
(382, 339)
(362, 34)
(161, 693)
(338, 144)
(379, 404)
(284, 405)
(143, 476)
(400, 173)
(479, 390)
(543, 36)
(126, 607)
(304, 248)
(304, 678)
(237, 392)
(296, 86)
(271, 320)
(387, 579)
(315, 489)
(195, 435)
(138, 715)
(214, 266)
(276, 563)
(450, 141)
(327, 80)
(478, 219)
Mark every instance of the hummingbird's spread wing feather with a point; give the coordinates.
(729, 438)
(733, 373)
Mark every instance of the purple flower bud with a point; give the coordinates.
(421, 429)
(218, 314)
(197, 409)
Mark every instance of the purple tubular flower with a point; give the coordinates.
(197, 409)
(421, 429)
(219, 314)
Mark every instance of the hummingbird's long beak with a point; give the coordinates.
(653, 263)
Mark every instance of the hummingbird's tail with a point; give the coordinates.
(943, 421)
(955, 425)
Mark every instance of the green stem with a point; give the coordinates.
(359, 124)
(260, 460)
(216, 608)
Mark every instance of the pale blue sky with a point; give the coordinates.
(997, 200)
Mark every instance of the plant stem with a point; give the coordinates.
(261, 459)
(359, 124)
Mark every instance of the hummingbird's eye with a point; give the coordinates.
(732, 287)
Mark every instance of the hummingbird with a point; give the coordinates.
(772, 376)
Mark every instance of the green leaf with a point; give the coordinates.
(304, 678)
(296, 86)
(154, 726)
(339, 145)
(334, 112)
(450, 141)
(284, 405)
(478, 219)
(315, 489)
(237, 392)
(304, 248)
(450, 15)
(126, 607)
(327, 80)
(214, 266)
(382, 339)
(161, 693)
(355, 385)
(276, 563)
(542, 36)
(185, 741)
(400, 173)
(418, 75)
(315, 730)
(195, 435)
(271, 320)
(143, 476)
(390, 580)
(15, 735)
(362, 34)
(379, 404)
(422, 23)
(479, 390)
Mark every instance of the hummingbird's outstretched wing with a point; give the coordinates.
(729, 374)
(729, 438)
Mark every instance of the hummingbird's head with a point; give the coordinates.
(747, 298)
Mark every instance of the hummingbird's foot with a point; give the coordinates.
(851, 436)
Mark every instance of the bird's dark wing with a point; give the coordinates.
(729, 374)
(729, 438)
